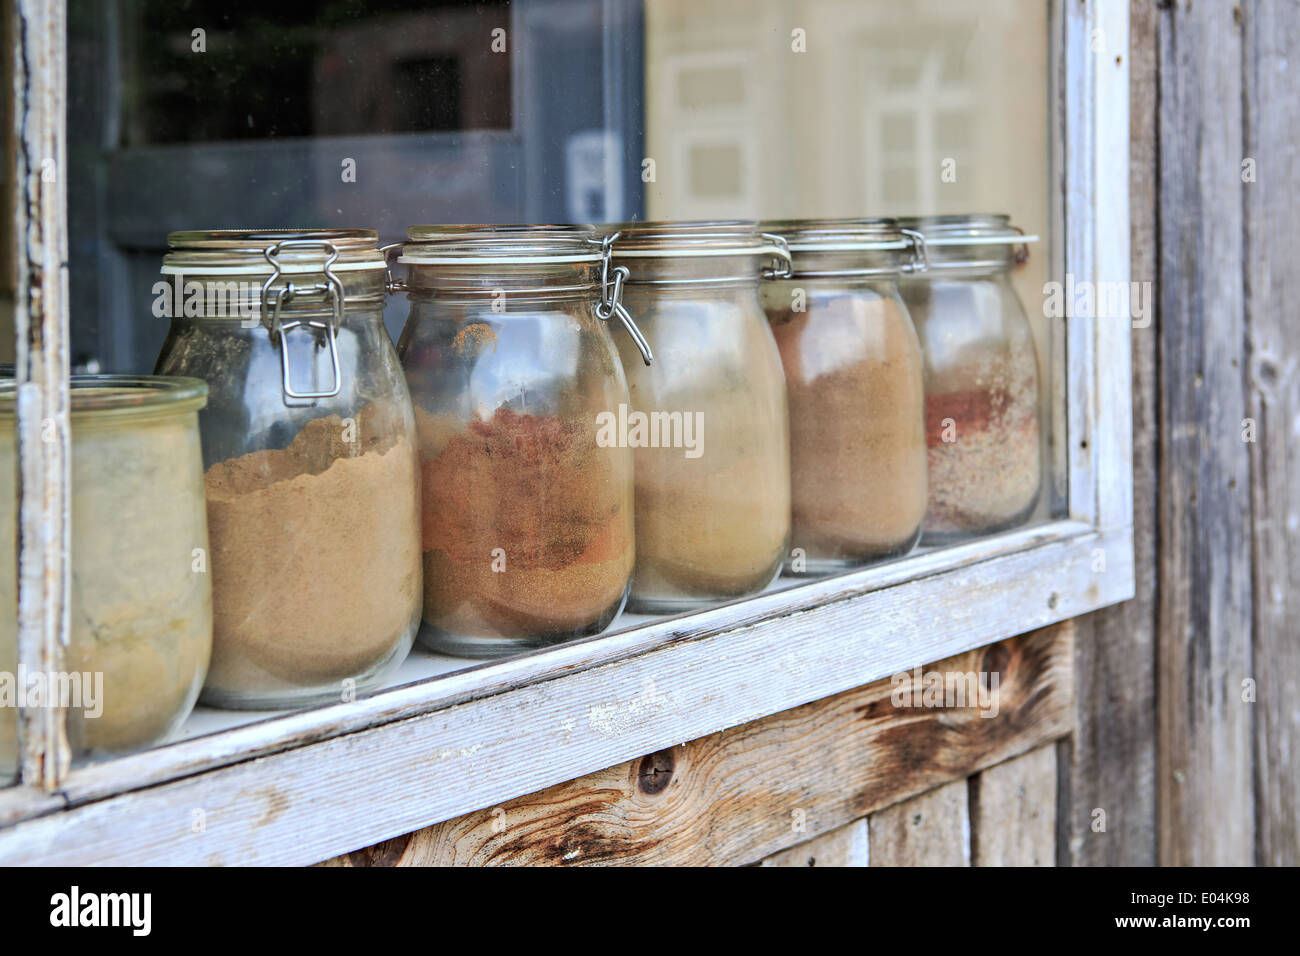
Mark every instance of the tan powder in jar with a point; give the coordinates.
(315, 559)
(857, 427)
(698, 532)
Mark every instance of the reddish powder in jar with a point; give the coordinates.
(984, 457)
(527, 525)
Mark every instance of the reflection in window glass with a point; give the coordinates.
(246, 69)
(202, 114)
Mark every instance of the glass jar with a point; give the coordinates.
(982, 379)
(857, 404)
(708, 419)
(140, 620)
(527, 507)
(309, 446)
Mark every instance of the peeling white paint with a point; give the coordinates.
(617, 719)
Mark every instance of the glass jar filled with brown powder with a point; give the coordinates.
(982, 405)
(708, 420)
(527, 502)
(853, 370)
(140, 624)
(309, 450)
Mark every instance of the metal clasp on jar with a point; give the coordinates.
(920, 256)
(332, 288)
(391, 286)
(781, 252)
(611, 297)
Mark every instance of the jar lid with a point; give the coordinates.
(685, 238)
(971, 240)
(978, 229)
(519, 244)
(264, 252)
(89, 395)
(583, 255)
(696, 239)
(352, 271)
(849, 247)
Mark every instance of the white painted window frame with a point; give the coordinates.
(306, 786)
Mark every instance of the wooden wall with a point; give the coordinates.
(1271, 383)
(1187, 737)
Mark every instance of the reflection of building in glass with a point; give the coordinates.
(741, 124)
(916, 142)
(714, 159)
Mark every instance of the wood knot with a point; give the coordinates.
(655, 772)
(388, 853)
(995, 661)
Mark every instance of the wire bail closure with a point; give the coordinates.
(920, 255)
(391, 285)
(331, 288)
(781, 252)
(1021, 255)
(611, 297)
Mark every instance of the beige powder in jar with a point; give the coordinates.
(315, 561)
(857, 425)
(141, 611)
(715, 526)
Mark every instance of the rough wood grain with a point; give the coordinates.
(1205, 767)
(40, 226)
(1272, 274)
(753, 790)
(1112, 765)
(930, 830)
(1013, 811)
(847, 846)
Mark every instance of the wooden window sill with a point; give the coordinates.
(301, 787)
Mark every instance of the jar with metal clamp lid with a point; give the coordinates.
(853, 371)
(708, 420)
(309, 451)
(983, 398)
(527, 500)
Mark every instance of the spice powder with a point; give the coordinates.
(984, 449)
(857, 439)
(314, 559)
(527, 525)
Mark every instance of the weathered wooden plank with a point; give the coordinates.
(930, 830)
(1272, 274)
(847, 846)
(37, 95)
(1096, 234)
(1013, 811)
(750, 791)
(1113, 750)
(1205, 768)
(1095, 162)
